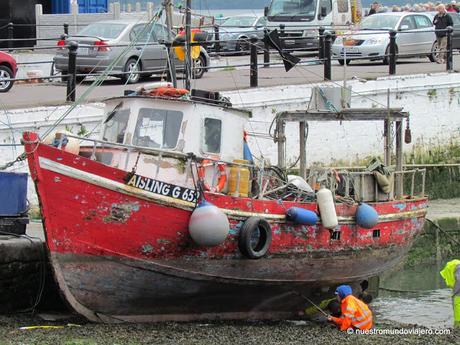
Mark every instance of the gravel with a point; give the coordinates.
(250, 332)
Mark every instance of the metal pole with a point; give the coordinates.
(266, 50)
(10, 36)
(321, 43)
(281, 141)
(282, 27)
(217, 39)
(399, 159)
(171, 64)
(327, 57)
(254, 65)
(188, 50)
(303, 153)
(449, 61)
(72, 71)
(66, 28)
(392, 64)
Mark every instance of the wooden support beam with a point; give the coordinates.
(280, 126)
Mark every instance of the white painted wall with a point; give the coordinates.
(432, 100)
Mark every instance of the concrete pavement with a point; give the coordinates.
(229, 78)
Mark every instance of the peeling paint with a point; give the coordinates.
(120, 213)
(401, 206)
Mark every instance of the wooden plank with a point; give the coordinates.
(355, 114)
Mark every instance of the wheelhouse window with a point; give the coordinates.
(115, 125)
(157, 128)
(212, 135)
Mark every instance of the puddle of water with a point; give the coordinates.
(423, 298)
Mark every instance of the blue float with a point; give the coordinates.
(301, 216)
(366, 216)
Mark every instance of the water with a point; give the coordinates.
(425, 302)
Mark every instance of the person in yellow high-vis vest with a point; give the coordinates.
(451, 275)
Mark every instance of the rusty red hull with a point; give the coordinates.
(122, 254)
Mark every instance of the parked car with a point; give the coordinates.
(102, 43)
(372, 39)
(236, 31)
(8, 70)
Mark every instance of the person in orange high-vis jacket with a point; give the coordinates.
(355, 313)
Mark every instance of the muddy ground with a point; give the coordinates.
(260, 333)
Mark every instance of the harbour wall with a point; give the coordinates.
(433, 102)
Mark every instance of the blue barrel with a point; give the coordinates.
(301, 216)
(13, 193)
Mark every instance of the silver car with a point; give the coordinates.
(236, 31)
(101, 44)
(414, 38)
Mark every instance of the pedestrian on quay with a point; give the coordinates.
(355, 313)
(441, 21)
(374, 8)
(451, 276)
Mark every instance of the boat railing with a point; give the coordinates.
(364, 186)
(133, 149)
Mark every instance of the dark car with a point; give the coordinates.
(8, 70)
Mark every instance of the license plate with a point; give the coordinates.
(83, 51)
(350, 50)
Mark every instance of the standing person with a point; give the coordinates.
(451, 275)
(441, 21)
(355, 313)
(374, 8)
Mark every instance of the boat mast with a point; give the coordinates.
(167, 4)
(188, 50)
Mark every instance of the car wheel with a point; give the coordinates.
(6, 73)
(434, 55)
(199, 67)
(342, 62)
(242, 45)
(386, 58)
(80, 78)
(131, 69)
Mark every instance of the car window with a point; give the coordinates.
(212, 135)
(379, 22)
(422, 22)
(409, 22)
(158, 128)
(342, 6)
(241, 21)
(103, 30)
(261, 22)
(161, 33)
(327, 4)
(455, 19)
(142, 33)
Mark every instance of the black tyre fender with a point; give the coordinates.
(245, 240)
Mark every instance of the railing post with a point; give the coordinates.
(392, 60)
(321, 43)
(72, 71)
(66, 28)
(10, 36)
(266, 50)
(254, 65)
(216, 39)
(449, 60)
(282, 32)
(327, 57)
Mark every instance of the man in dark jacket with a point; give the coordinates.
(441, 21)
(374, 8)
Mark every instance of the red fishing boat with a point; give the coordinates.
(127, 241)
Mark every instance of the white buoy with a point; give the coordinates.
(327, 208)
(208, 225)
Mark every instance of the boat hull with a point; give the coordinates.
(121, 253)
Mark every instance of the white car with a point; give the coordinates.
(415, 37)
